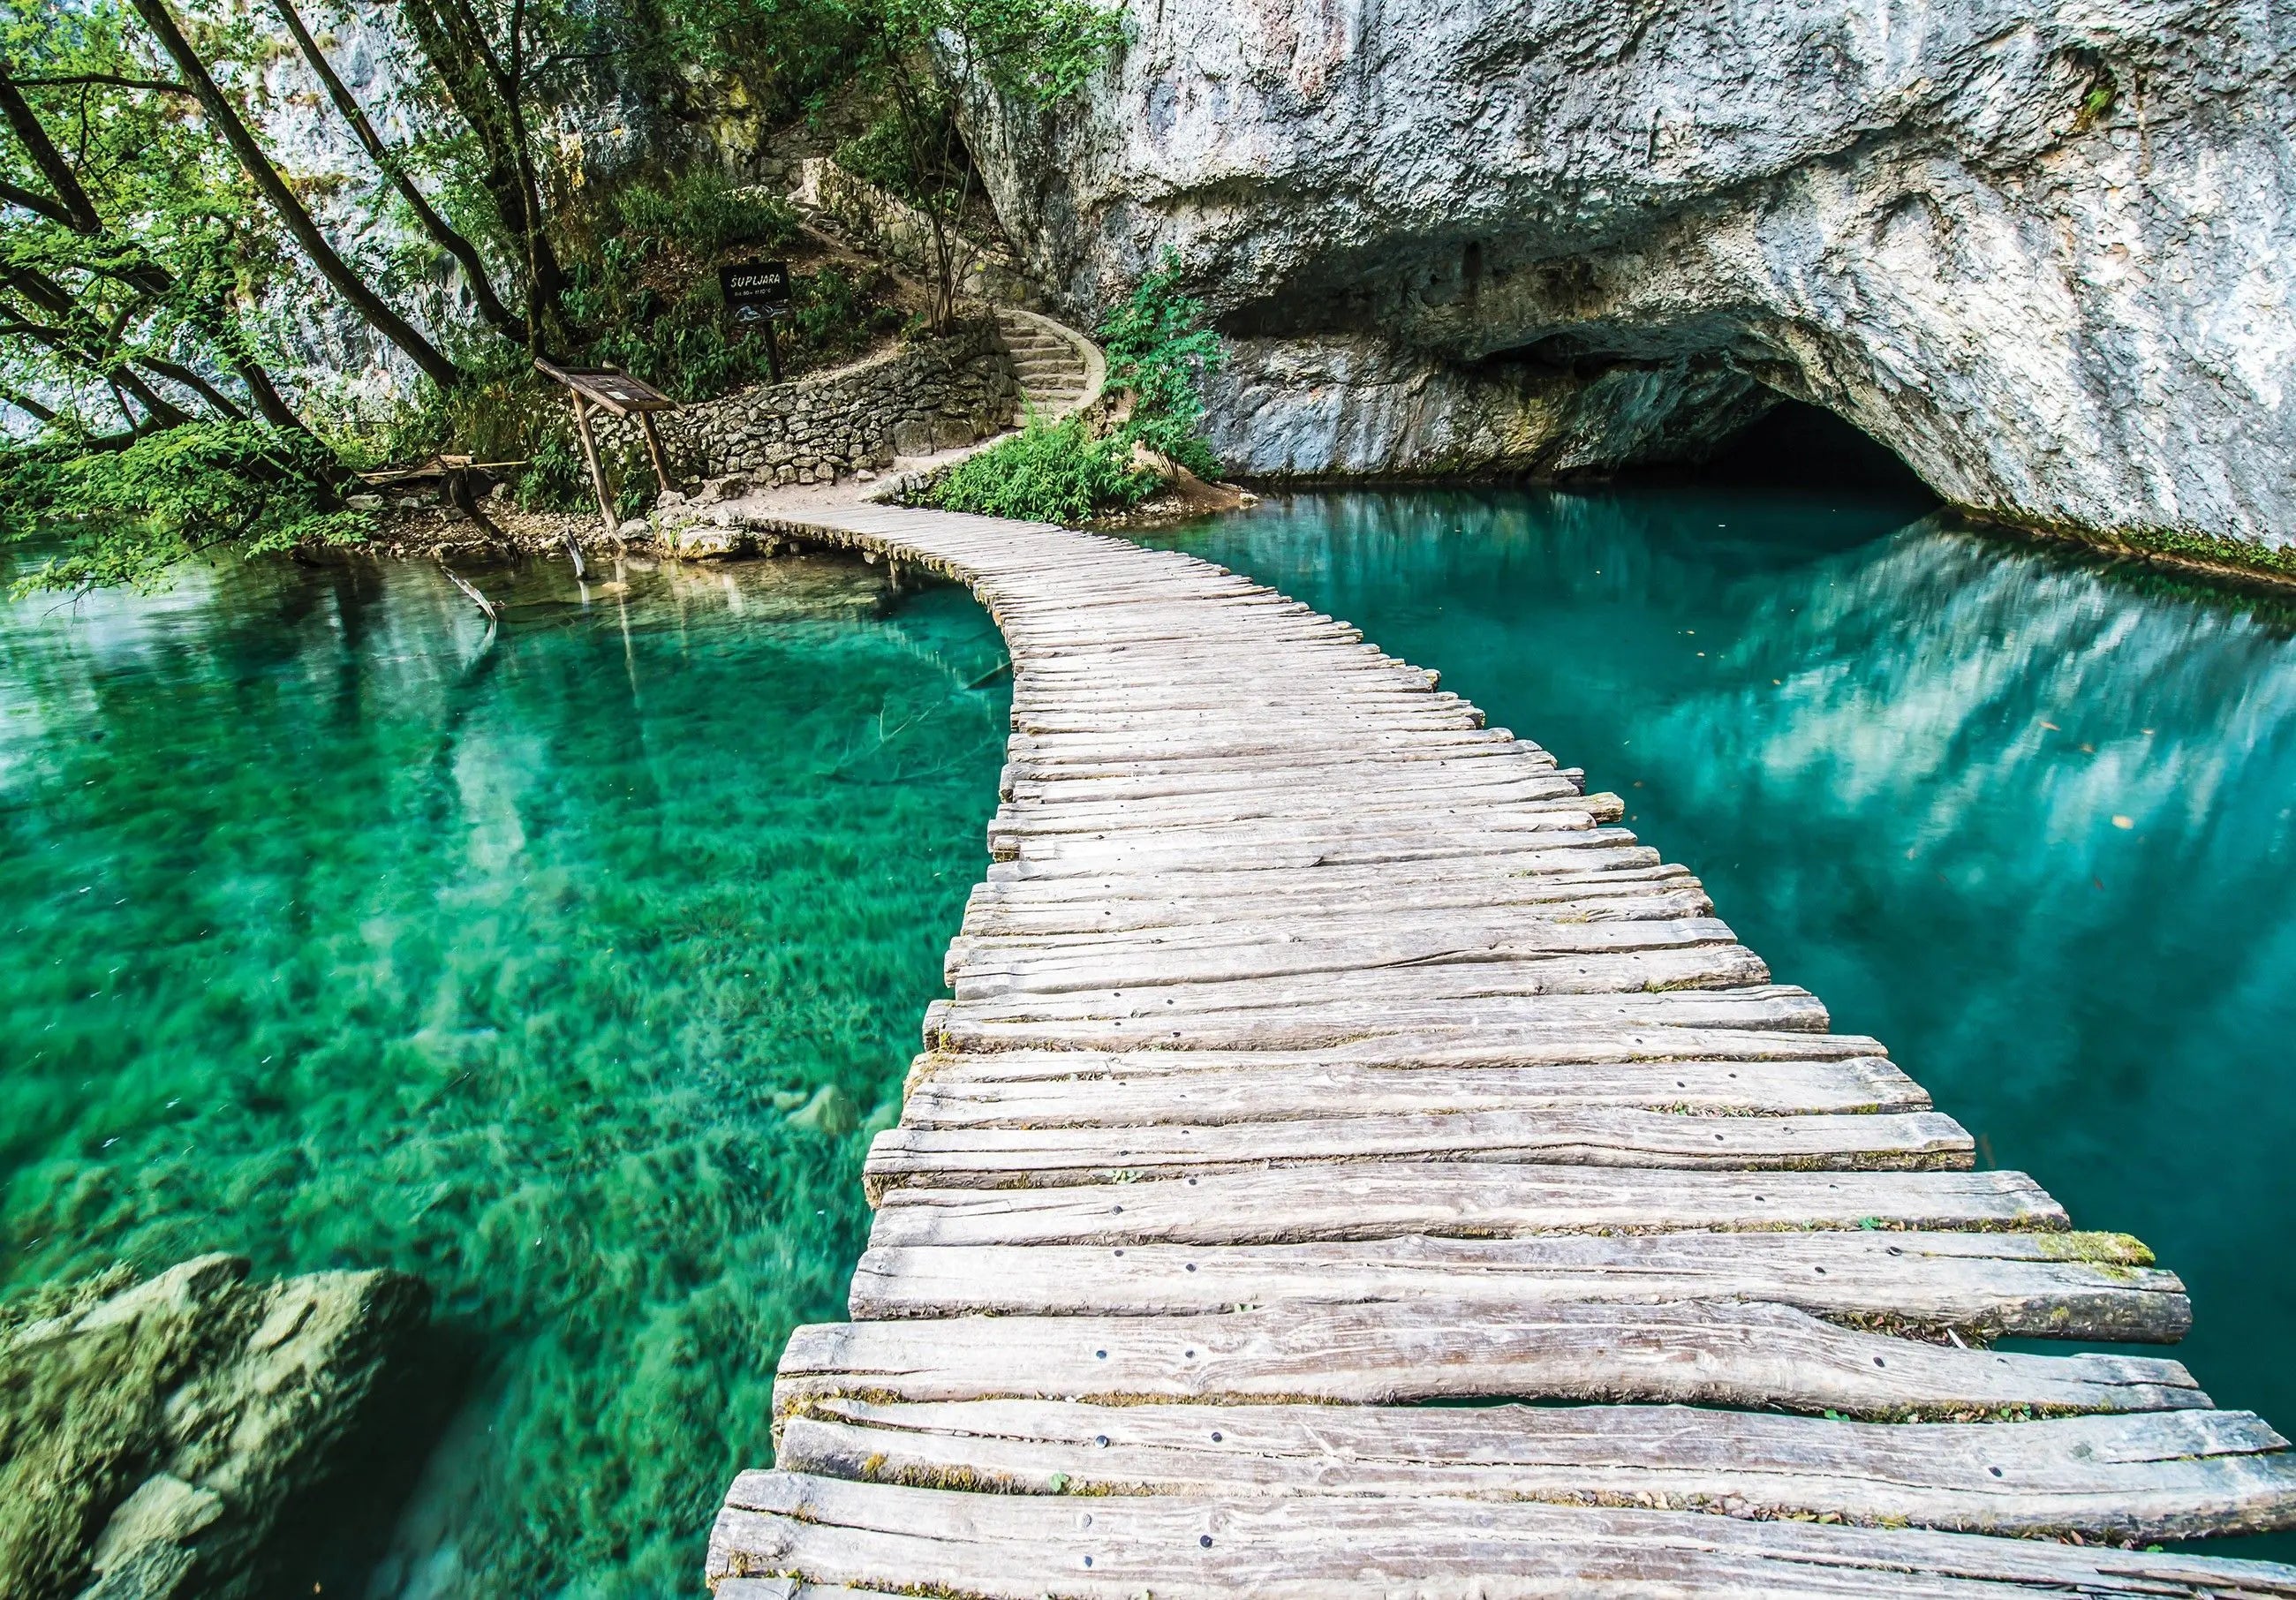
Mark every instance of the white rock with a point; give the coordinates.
(2039, 247)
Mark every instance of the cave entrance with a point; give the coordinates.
(1796, 446)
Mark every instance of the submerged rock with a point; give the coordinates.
(2036, 249)
(151, 1432)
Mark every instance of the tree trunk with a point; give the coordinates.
(485, 93)
(474, 267)
(72, 207)
(331, 267)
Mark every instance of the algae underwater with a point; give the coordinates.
(569, 969)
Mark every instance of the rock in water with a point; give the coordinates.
(2039, 250)
(150, 1433)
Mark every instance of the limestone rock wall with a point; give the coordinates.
(931, 395)
(2039, 247)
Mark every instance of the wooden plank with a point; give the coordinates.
(1492, 1018)
(1569, 1136)
(1026, 966)
(1685, 1353)
(1493, 990)
(1302, 804)
(2067, 1285)
(1628, 896)
(1339, 758)
(1223, 849)
(1392, 884)
(1148, 852)
(1198, 982)
(1399, 711)
(1285, 1547)
(946, 1092)
(1382, 1199)
(2174, 1474)
(1569, 1045)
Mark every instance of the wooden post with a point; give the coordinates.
(773, 349)
(597, 471)
(653, 450)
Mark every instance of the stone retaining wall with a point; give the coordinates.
(933, 395)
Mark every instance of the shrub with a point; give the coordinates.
(1160, 350)
(129, 515)
(1045, 473)
(700, 211)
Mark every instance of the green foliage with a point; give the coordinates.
(131, 514)
(698, 211)
(1160, 350)
(1054, 473)
(179, 244)
(1044, 49)
(836, 315)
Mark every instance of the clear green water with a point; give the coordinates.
(336, 939)
(2032, 824)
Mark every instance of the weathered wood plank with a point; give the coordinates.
(1364, 957)
(1180, 1547)
(955, 1097)
(2174, 1474)
(1338, 772)
(1685, 1353)
(1566, 1136)
(1383, 1200)
(1396, 806)
(1571, 1044)
(1591, 894)
(1194, 983)
(1488, 1020)
(1989, 1284)
(1275, 841)
(1546, 858)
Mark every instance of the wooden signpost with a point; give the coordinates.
(618, 395)
(759, 292)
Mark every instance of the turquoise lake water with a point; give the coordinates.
(571, 970)
(339, 936)
(2030, 824)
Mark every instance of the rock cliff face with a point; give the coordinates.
(2039, 250)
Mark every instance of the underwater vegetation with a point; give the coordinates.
(569, 970)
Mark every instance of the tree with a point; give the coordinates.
(485, 73)
(224, 118)
(393, 168)
(916, 51)
(133, 305)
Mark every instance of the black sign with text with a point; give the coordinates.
(755, 289)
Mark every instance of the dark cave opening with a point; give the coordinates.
(1796, 446)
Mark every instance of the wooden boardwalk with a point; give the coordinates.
(1325, 1066)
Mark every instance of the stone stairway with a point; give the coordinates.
(1056, 364)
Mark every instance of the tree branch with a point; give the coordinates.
(73, 206)
(291, 211)
(112, 78)
(180, 373)
(474, 268)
